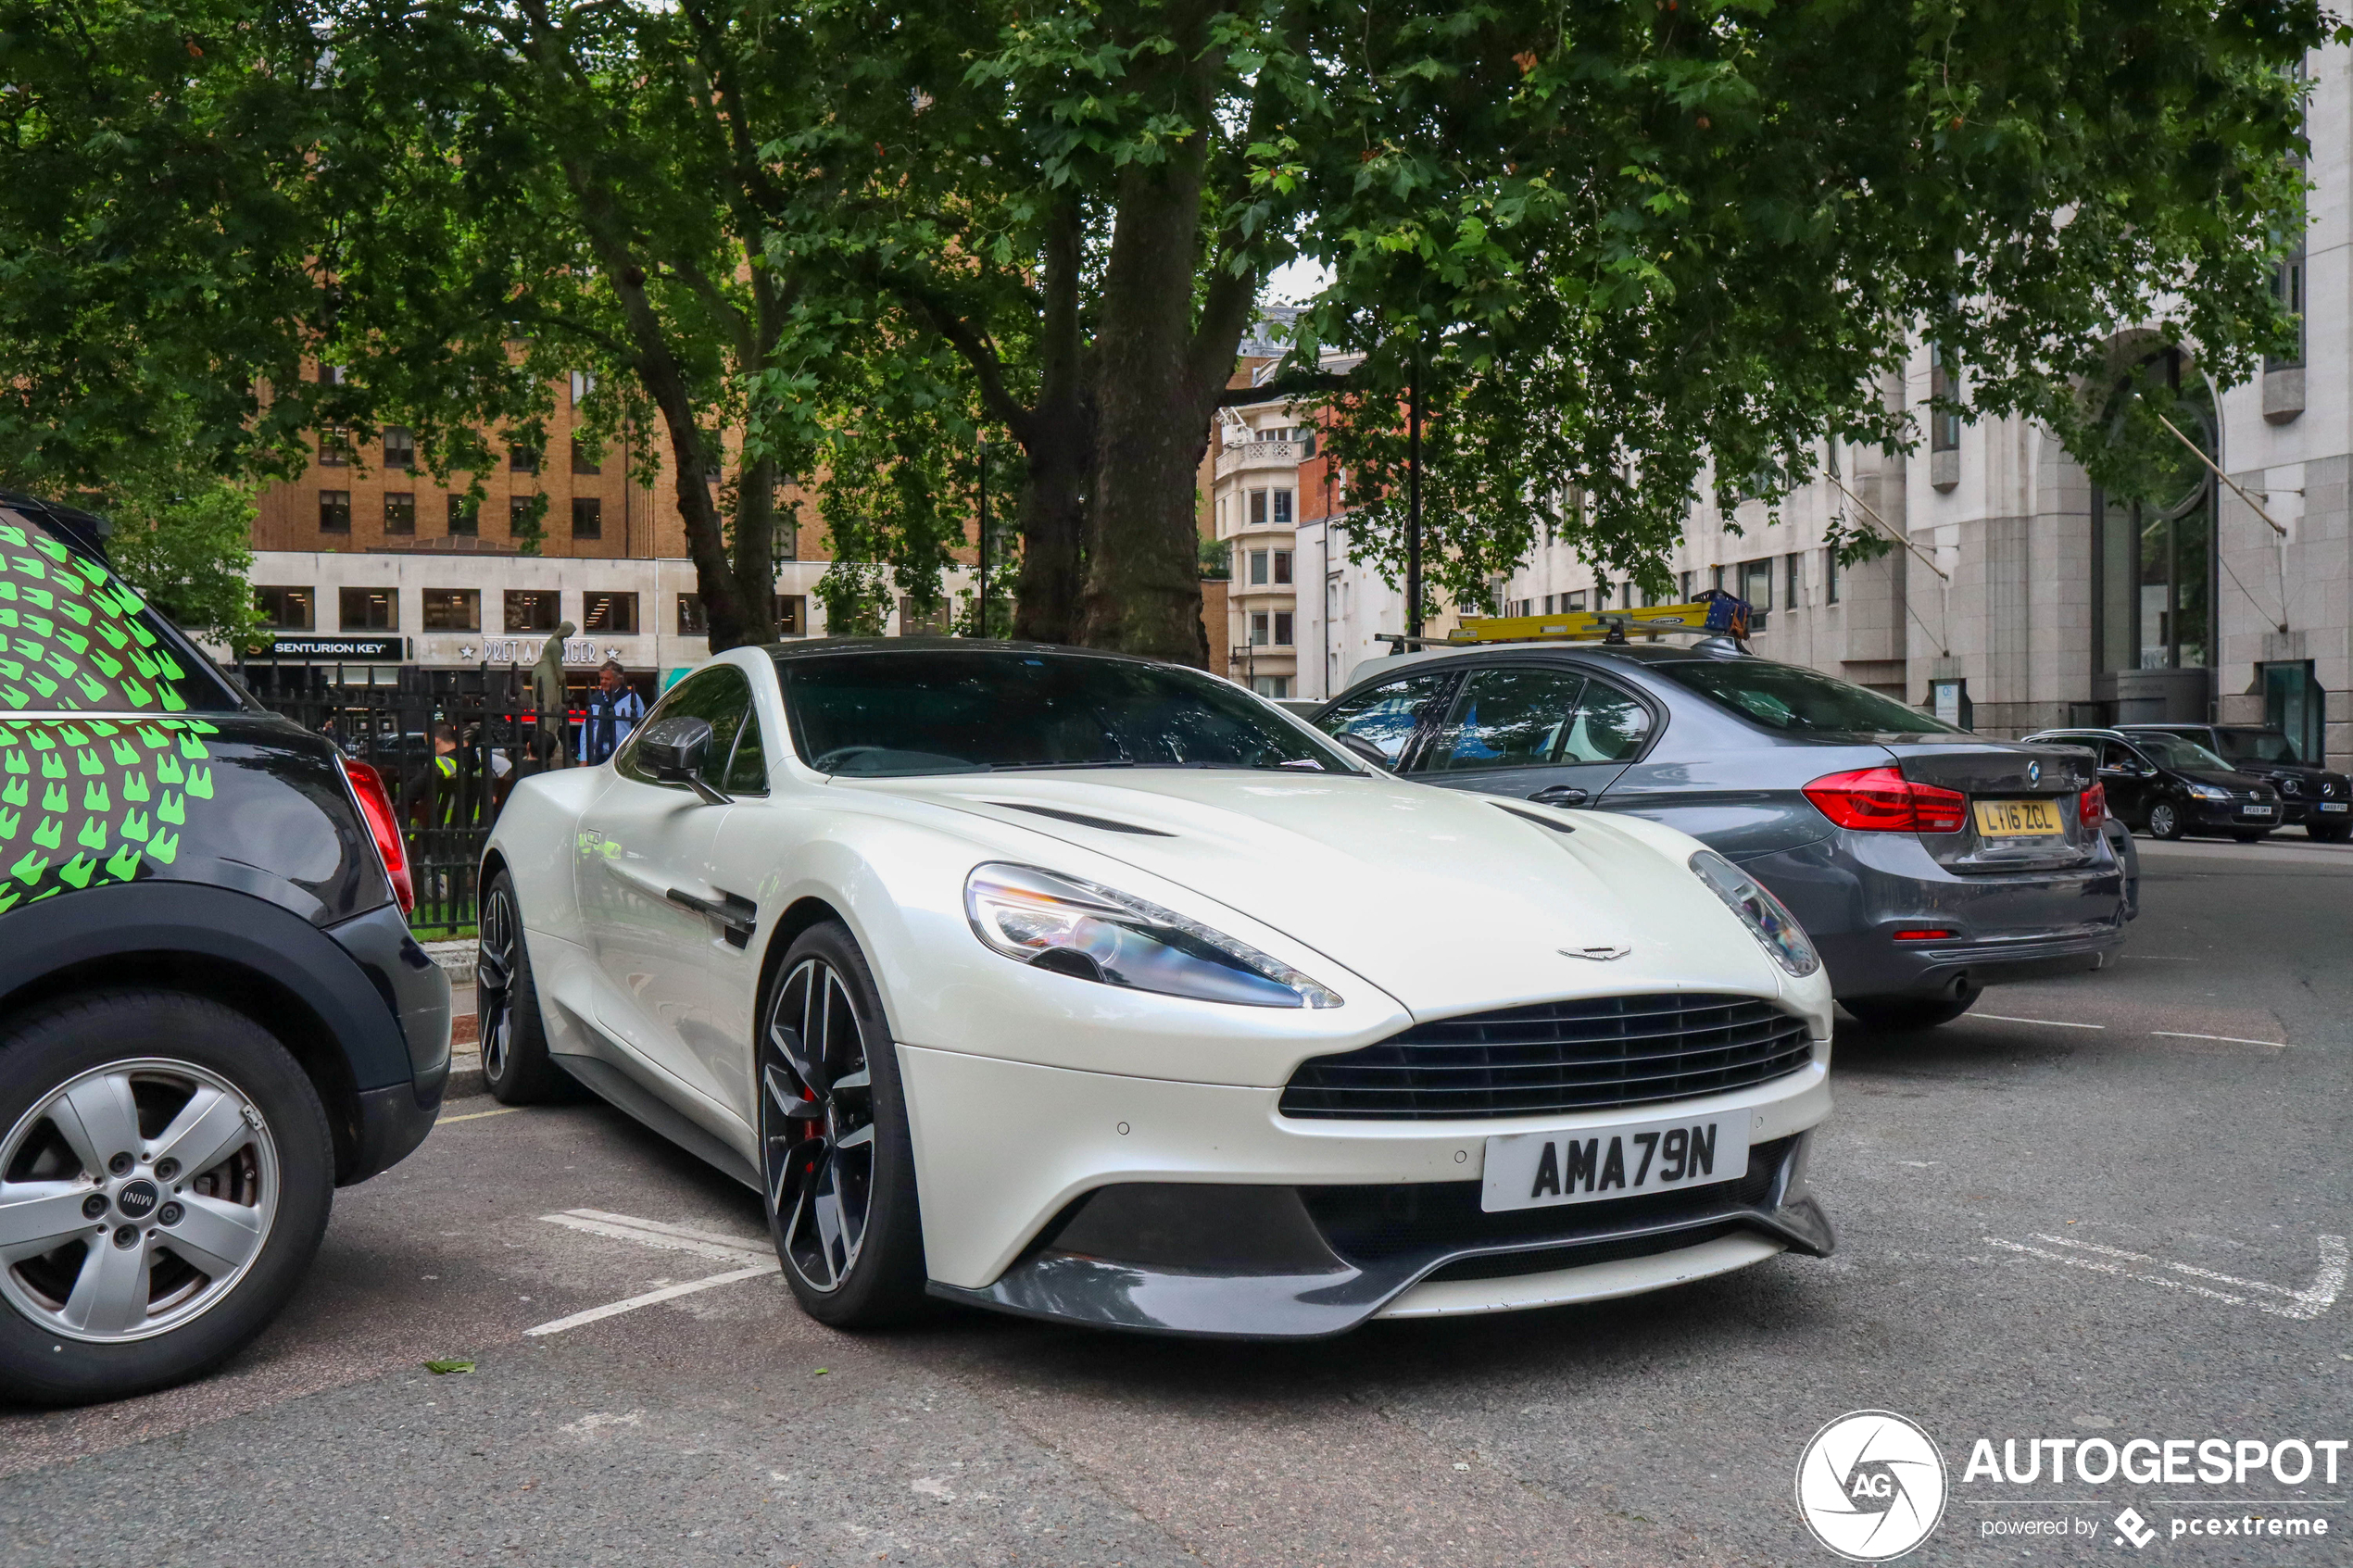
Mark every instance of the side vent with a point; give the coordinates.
(1082, 818)
(1540, 822)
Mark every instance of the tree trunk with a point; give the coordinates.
(754, 620)
(1053, 522)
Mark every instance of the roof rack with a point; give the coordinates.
(1714, 614)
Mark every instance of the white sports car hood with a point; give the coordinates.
(1448, 901)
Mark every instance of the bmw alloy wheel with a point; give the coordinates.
(816, 1125)
(132, 1200)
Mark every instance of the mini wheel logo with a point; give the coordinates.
(1871, 1486)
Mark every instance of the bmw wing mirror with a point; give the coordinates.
(673, 751)
(1365, 750)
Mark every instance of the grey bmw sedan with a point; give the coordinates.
(1925, 862)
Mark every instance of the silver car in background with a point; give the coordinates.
(1926, 862)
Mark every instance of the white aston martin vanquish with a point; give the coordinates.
(1094, 989)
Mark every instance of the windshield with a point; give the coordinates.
(2172, 752)
(2255, 745)
(954, 710)
(1783, 697)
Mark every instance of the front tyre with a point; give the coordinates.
(838, 1165)
(1908, 1012)
(2335, 833)
(166, 1174)
(2165, 822)
(516, 1066)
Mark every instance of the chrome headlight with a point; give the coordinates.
(2210, 792)
(1764, 915)
(1085, 930)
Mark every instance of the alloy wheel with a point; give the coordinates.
(816, 1125)
(2161, 820)
(494, 982)
(133, 1198)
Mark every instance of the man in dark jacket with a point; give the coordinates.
(614, 709)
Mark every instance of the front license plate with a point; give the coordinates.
(2019, 819)
(2255, 810)
(2335, 806)
(1538, 1170)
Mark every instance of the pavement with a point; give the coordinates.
(2106, 1207)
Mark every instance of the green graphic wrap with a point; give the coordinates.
(91, 799)
(71, 636)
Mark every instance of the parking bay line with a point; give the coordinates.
(667, 1237)
(2047, 1023)
(477, 1115)
(2301, 1305)
(2226, 1039)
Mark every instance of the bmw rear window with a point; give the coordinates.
(1797, 701)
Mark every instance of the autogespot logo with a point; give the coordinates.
(1871, 1486)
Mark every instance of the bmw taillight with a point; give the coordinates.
(2092, 809)
(1882, 800)
(375, 803)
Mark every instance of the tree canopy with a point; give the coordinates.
(1629, 252)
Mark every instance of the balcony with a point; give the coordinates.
(1269, 456)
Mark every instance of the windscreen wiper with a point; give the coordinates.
(1031, 767)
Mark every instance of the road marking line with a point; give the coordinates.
(2050, 1023)
(667, 1293)
(478, 1115)
(2300, 1305)
(620, 1227)
(756, 1246)
(2226, 1039)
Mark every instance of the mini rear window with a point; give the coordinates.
(1798, 701)
(75, 637)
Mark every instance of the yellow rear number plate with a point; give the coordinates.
(2018, 819)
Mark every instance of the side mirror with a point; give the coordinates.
(672, 751)
(1364, 750)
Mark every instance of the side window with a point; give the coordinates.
(2116, 754)
(78, 637)
(1386, 715)
(748, 773)
(720, 696)
(1610, 727)
(1507, 719)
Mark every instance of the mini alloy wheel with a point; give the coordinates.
(134, 1197)
(816, 1125)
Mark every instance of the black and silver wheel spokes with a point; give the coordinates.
(493, 982)
(132, 1198)
(817, 1124)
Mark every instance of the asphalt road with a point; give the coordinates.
(2094, 1209)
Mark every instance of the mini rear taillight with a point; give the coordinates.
(2092, 810)
(1882, 800)
(375, 803)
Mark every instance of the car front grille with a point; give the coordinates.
(1552, 1056)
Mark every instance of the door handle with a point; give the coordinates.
(738, 916)
(1561, 795)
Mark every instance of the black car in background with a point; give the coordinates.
(212, 1014)
(2169, 787)
(1924, 861)
(2311, 796)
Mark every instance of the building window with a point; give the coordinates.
(2153, 555)
(453, 609)
(1789, 597)
(1258, 568)
(792, 614)
(1684, 582)
(692, 622)
(1258, 630)
(2287, 287)
(401, 448)
(533, 610)
(604, 613)
(523, 516)
(1716, 578)
(584, 457)
(401, 512)
(1600, 594)
(1574, 603)
(1272, 686)
(1830, 575)
(335, 448)
(1282, 628)
(588, 517)
(584, 383)
(523, 459)
(1944, 425)
(370, 610)
(1282, 563)
(334, 511)
(330, 375)
(1757, 583)
(464, 516)
(1258, 508)
(284, 609)
(1282, 509)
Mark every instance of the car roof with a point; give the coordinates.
(1706, 650)
(813, 648)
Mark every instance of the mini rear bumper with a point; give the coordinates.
(1197, 1209)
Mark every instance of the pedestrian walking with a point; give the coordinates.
(614, 709)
